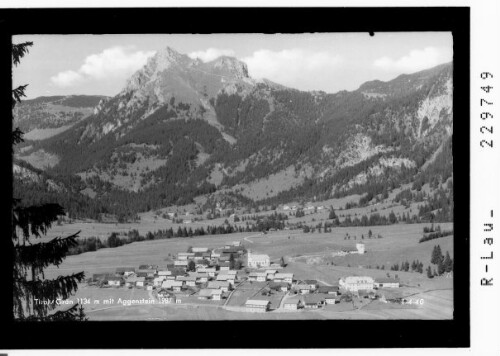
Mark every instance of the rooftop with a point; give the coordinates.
(257, 302)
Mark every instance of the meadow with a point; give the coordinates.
(308, 256)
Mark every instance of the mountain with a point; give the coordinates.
(181, 128)
(47, 116)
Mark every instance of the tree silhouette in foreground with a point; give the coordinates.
(30, 256)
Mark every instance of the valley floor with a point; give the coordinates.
(309, 256)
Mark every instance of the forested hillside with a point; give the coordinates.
(182, 128)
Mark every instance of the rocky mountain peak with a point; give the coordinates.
(232, 66)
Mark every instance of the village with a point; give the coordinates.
(238, 279)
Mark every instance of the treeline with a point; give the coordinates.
(274, 221)
(431, 233)
(416, 266)
(444, 264)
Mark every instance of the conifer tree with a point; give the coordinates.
(32, 257)
(429, 272)
(448, 264)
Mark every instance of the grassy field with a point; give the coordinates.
(400, 243)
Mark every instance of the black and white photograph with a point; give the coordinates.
(236, 176)
(247, 178)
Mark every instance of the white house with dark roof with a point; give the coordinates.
(174, 285)
(386, 283)
(257, 276)
(257, 305)
(159, 280)
(180, 263)
(257, 261)
(355, 283)
(292, 304)
(283, 277)
(222, 285)
(199, 249)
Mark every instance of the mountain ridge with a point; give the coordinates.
(182, 128)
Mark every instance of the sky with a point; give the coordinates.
(101, 64)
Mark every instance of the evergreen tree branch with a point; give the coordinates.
(33, 293)
(36, 220)
(17, 94)
(41, 255)
(75, 313)
(19, 50)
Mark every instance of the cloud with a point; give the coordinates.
(211, 53)
(67, 79)
(293, 67)
(417, 59)
(112, 63)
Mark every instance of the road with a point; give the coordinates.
(247, 239)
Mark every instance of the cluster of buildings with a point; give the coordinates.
(359, 249)
(307, 208)
(202, 270)
(360, 283)
(208, 274)
(309, 294)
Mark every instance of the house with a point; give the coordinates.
(198, 256)
(332, 290)
(330, 299)
(216, 294)
(303, 288)
(230, 250)
(270, 274)
(206, 255)
(224, 266)
(141, 282)
(361, 248)
(258, 261)
(226, 278)
(164, 273)
(114, 281)
(355, 283)
(135, 281)
(283, 277)
(188, 280)
(313, 284)
(237, 243)
(180, 263)
(99, 277)
(257, 276)
(292, 304)
(125, 271)
(348, 249)
(158, 281)
(279, 286)
(210, 271)
(205, 294)
(183, 256)
(174, 285)
(214, 255)
(286, 207)
(199, 249)
(314, 301)
(222, 285)
(387, 283)
(257, 305)
(200, 277)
